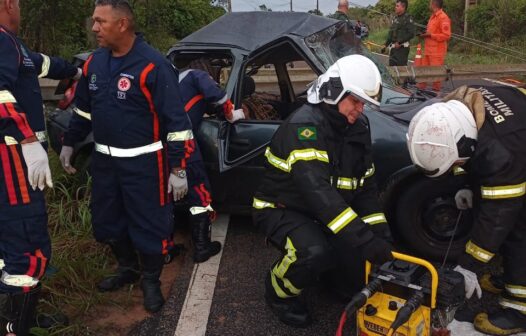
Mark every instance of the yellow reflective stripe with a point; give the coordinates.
(370, 172)
(81, 113)
(259, 204)
(294, 156)
(9, 140)
(517, 305)
(516, 290)
(281, 269)
(458, 171)
(46, 63)
(478, 252)
(277, 288)
(375, 218)
(510, 191)
(347, 183)
(6, 97)
(342, 220)
(180, 136)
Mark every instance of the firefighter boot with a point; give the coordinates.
(203, 247)
(152, 266)
(290, 311)
(492, 283)
(17, 311)
(502, 322)
(128, 269)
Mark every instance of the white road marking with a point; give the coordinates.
(196, 307)
(500, 82)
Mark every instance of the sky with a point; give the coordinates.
(326, 6)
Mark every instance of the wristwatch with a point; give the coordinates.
(181, 173)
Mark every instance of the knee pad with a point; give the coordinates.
(318, 258)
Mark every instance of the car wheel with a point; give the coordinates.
(426, 217)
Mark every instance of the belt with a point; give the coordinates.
(128, 152)
(6, 97)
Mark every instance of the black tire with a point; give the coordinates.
(426, 216)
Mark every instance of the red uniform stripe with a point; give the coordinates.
(206, 193)
(165, 245)
(32, 264)
(8, 175)
(43, 262)
(20, 174)
(148, 95)
(192, 102)
(20, 119)
(86, 65)
(202, 196)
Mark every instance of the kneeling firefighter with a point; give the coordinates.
(318, 201)
(484, 130)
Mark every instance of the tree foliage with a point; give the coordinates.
(63, 27)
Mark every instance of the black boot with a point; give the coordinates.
(152, 266)
(17, 311)
(128, 269)
(203, 247)
(502, 322)
(290, 311)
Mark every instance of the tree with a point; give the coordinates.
(315, 12)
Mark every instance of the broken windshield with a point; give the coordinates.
(337, 41)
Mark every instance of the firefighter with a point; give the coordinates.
(402, 30)
(437, 35)
(25, 248)
(129, 97)
(483, 129)
(201, 94)
(318, 200)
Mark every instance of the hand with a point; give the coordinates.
(38, 172)
(236, 115)
(471, 283)
(78, 74)
(382, 231)
(178, 186)
(377, 251)
(464, 199)
(65, 159)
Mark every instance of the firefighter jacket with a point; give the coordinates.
(402, 29)
(439, 26)
(138, 104)
(19, 74)
(498, 168)
(320, 165)
(22, 117)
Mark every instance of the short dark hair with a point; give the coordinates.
(403, 2)
(438, 3)
(121, 5)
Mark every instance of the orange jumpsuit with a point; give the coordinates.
(435, 47)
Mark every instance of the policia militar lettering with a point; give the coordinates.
(402, 30)
(318, 201)
(129, 96)
(483, 129)
(25, 248)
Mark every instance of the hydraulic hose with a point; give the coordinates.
(407, 310)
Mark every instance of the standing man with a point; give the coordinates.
(318, 201)
(129, 96)
(435, 38)
(484, 130)
(341, 12)
(402, 30)
(25, 248)
(201, 94)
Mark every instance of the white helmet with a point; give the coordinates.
(441, 135)
(354, 74)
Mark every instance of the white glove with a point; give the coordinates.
(177, 185)
(38, 172)
(471, 283)
(464, 199)
(65, 159)
(78, 74)
(237, 115)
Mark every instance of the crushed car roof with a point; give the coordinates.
(250, 30)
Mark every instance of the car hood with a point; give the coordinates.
(258, 28)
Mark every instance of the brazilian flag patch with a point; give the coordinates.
(307, 133)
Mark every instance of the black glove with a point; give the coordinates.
(377, 251)
(382, 231)
(382, 51)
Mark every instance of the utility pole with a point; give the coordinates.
(466, 7)
(229, 7)
(318, 6)
(291, 5)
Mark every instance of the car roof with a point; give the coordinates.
(250, 30)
